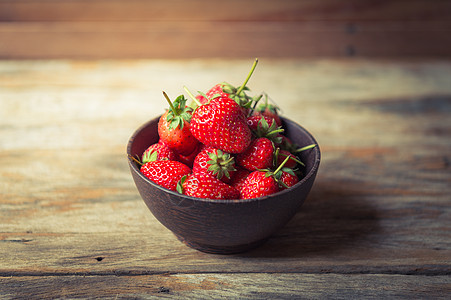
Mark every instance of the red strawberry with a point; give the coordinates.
(158, 151)
(263, 126)
(287, 179)
(239, 177)
(258, 184)
(174, 127)
(259, 155)
(221, 124)
(217, 91)
(202, 185)
(255, 121)
(291, 163)
(189, 159)
(202, 100)
(215, 163)
(284, 176)
(166, 173)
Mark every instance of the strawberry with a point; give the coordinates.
(239, 177)
(258, 184)
(166, 173)
(174, 127)
(287, 178)
(218, 91)
(264, 126)
(215, 163)
(255, 121)
(221, 124)
(202, 185)
(259, 155)
(269, 110)
(159, 151)
(226, 90)
(189, 159)
(291, 163)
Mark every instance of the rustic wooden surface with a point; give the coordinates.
(376, 224)
(214, 28)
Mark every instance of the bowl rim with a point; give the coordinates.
(225, 201)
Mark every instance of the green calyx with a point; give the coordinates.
(178, 112)
(238, 94)
(267, 106)
(241, 98)
(271, 132)
(221, 163)
(179, 187)
(149, 156)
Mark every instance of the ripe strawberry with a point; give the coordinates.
(202, 99)
(255, 121)
(291, 163)
(265, 182)
(166, 173)
(258, 184)
(269, 110)
(174, 127)
(218, 91)
(202, 185)
(226, 90)
(287, 178)
(259, 155)
(215, 163)
(264, 126)
(159, 151)
(189, 159)
(221, 124)
(239, 177)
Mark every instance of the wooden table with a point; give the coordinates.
(376, 224)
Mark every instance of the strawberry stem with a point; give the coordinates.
(256, 100)
(248, 77)
(192, 96)
(281, 165)
(135, 160)
(170, 104)
(294, 159)
(306, 148)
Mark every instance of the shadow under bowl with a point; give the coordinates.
(223, 226)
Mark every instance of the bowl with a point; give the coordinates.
(223, 226)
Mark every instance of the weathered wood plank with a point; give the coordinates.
(223, 39)
(380, 204)
(218, 286)
(240, 29)
(234, 10)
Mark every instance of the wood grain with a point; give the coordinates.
(238, 29)
(217, 286)
(214, 10)
(376, 224)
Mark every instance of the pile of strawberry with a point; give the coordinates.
(222, 146)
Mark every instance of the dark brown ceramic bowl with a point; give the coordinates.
(223, 226)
